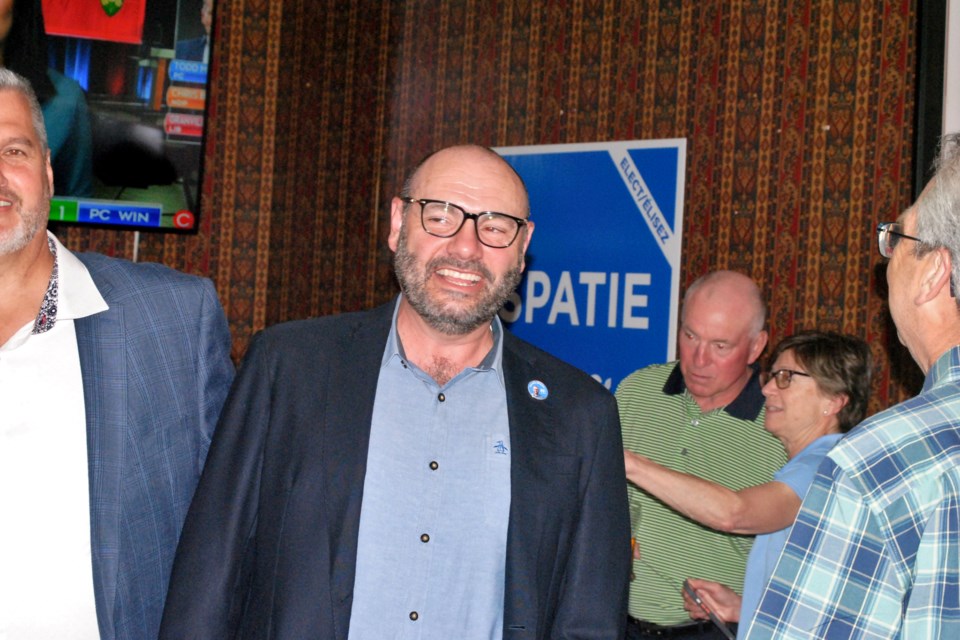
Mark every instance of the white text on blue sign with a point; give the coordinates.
(597, 291)
(119, 213)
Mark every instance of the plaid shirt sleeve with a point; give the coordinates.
(848, 571)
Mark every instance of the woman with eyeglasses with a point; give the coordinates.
(816, 390)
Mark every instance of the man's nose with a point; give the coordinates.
(466, 241)
(701, 355)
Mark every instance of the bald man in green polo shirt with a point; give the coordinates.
(701, 415)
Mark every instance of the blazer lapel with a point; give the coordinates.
(100, 342)
(521, 595)
(349, 412)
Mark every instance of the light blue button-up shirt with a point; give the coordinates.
(436, 503)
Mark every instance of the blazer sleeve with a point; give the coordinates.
(215, 369)
(593, 598)
(212, 565)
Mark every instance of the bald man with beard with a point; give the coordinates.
(413, 471)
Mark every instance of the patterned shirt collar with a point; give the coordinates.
(47, 317)
(745, 406)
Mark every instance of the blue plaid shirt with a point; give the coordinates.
(875, 550)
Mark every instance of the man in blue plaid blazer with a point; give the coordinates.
(112, 377)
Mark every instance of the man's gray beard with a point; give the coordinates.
(20, 236)
(451, 321)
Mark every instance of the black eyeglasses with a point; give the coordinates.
(445, 219)
(888, 237)
(782, 377)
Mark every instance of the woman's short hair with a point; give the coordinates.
(840, 364)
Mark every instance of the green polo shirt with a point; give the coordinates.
(729, 446)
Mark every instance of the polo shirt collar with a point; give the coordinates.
(745, 406)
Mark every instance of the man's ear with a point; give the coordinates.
(936, 268)
(757, 346)
(396, 221)
(50, 172)
(528, 233)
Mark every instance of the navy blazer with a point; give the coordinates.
(269, 547)
(156, 369)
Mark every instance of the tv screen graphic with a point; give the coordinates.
(138, 69)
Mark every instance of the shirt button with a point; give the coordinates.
(441, 397)
(424, 537)
(433, 465)
(695, 422)
(414, 615)
(683, 451)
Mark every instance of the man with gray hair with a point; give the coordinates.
(875, 550)
(112, 376)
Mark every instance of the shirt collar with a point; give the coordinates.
(746, 406)
(945, 369)
(47, 316)
(79, 297)
(492, 361)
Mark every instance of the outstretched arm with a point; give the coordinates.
(761, 509)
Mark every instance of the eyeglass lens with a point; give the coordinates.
(888, 239)
(781, 377)
(444, 220)
(889, 235)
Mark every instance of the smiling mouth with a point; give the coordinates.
(466, 278)
(6, 203)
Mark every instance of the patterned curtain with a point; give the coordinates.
(798, 116)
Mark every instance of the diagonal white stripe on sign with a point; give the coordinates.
(662, 234)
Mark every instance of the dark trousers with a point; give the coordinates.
(703, 629)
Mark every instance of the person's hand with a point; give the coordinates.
(721, 599)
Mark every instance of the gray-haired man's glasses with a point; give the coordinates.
(888, 237)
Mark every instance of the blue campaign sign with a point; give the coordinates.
(603, 269)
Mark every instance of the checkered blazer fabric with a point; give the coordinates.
(156, 369)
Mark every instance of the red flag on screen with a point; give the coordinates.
(113, 20)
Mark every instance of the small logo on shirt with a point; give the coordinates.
(499, 448)
(537, 390)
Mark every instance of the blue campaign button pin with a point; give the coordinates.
(538, 390)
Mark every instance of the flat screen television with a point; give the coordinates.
(142, 66)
